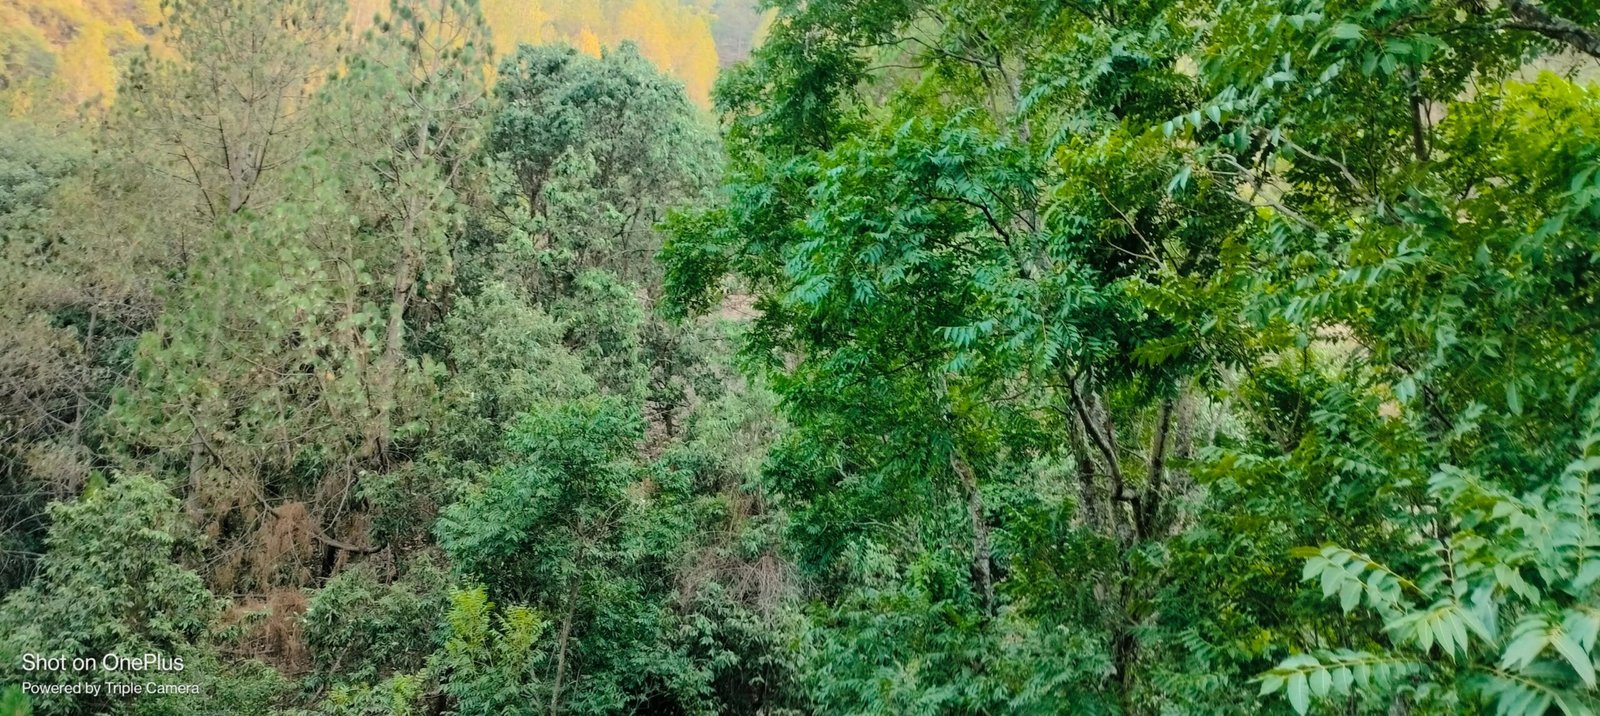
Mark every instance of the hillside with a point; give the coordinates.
(65, 52)
(969, 357)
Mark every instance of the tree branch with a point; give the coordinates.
(1107, 450)
(1532, 17)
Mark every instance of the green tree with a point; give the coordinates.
(113, 582)
(43, 372)
(286, 366)
(987, 314)
(564, 527)
(596, 151)
(1151, 293)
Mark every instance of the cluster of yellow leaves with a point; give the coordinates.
(64, 52)
(60, 53)
(673, 34)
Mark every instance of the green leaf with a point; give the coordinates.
(1342, 680)
(1346, 31)
(1320, 681)
(1524, 650)
(1299, 692)
(1588, 572)
(1350, 595)
(1576, 656)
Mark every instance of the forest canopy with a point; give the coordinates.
(939, 357)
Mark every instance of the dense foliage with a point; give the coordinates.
(1096, 321)
(1017, 356)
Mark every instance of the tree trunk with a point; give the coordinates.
(1089, 497)
(404, 288)
(562, 639)
(982, 558)
(1150, 502)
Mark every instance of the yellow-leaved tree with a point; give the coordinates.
(675, 35)
(56, 53)
(60, 53)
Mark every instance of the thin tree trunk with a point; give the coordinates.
(82, 407)
(404, 288)
(393, 346)
(982, 558)
(1089, 497)
(562, 640)
(1150, 504)
(1124, 647)
(1105, 442)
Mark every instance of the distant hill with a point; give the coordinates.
(62, 53)
(674, 34)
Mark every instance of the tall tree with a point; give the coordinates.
(1008, 256)
(286, 366)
